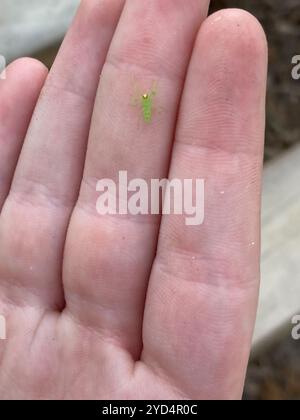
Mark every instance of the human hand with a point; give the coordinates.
(132, 307)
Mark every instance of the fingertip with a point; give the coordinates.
(234, 46)
(28, 62)
(27, 70)
(238, 28)
(227, 77)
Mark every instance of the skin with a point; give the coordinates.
(119, 307)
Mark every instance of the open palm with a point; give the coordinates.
(130, 307)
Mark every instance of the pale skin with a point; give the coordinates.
(114, 307)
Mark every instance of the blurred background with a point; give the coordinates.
(35, 28)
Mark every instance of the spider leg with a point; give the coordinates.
(135, 98)
(154, 88)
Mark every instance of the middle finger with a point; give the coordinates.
(150, 51)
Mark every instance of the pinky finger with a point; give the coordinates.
(19, 91)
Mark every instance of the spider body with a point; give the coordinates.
(147, 106)
(146, 103)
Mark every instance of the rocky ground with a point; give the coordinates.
(275, 375)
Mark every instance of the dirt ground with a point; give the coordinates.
(276, 374)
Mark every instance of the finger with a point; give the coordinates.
(48, 175)
(19, 92)
(202, 296)
(151, 47)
